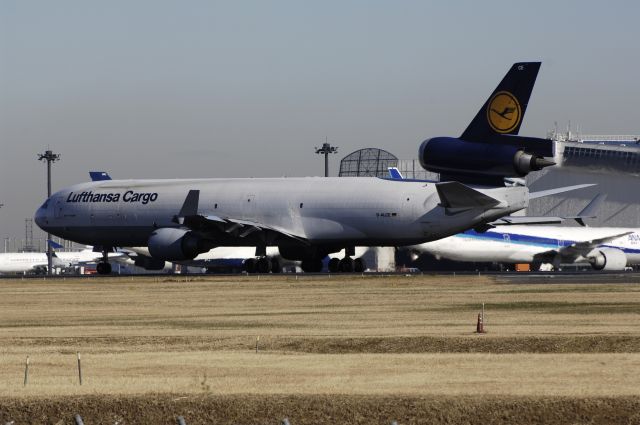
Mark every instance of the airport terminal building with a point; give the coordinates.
(613, 162)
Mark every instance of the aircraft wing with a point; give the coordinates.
(583, 248)
(189, 217)
(57, 261)
(576, 250)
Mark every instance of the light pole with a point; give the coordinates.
(50, 157)
(325, 150)
(5, 239)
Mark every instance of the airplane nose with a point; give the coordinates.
(41, 217)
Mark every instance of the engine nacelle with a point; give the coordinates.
(607, 259)
(171, 244)
(451, 156)
(149, 263)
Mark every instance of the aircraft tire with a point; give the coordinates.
(311, 266)
(317, 265)
(250, 265)
(346, 265)
(103, 268)
(306, 266)
(334, 265)
(263, 265)
(359, 265)
(275, 265)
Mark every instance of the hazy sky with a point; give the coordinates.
(155, 88)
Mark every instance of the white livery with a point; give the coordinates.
(27, 262)
(605, 248)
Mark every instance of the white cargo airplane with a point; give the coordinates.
(308, 218)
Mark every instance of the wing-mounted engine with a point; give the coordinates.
(149, 263)
(607, 259)
(170, 244)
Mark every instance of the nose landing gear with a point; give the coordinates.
(104, 267)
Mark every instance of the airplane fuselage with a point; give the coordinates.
(323, 211)
(22, 262)
(527, 244)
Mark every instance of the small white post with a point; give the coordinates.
(79, 369)
(26, 372)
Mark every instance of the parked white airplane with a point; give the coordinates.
(26, 262)
(222, 258)
(308, 218)
(605, 248)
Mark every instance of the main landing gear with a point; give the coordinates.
(311, 265)
(262, 264)
(104, 267)
(347, 265)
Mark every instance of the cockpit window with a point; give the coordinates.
(45, 205)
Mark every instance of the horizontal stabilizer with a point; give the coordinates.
(457, 195)
(587, 212)
(540, 194)
(523, 219)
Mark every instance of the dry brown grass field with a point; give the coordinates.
(355, 349)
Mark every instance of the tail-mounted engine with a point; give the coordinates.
(475, 162)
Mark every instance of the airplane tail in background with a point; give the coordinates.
(504, 111)
(54, 245)
(97, 176)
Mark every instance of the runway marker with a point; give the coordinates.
(79, 369)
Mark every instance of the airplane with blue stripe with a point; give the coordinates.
(604, 248)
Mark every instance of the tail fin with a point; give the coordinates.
(503, 112)
(395, 174)
(53, 244)
(97, 176)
